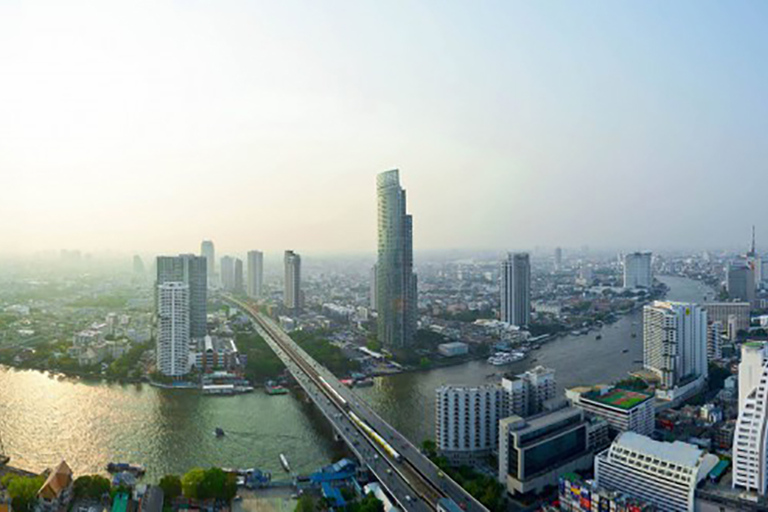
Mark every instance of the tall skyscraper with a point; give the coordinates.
(637, 270)
(209, 253)
(239, 283)
(374, 287)
(227, 270)
(255, 273)
(750, 440)
(516, 289)
(396, 295)
(675, 345)
(558, 258)
(740, 281)
(292, 290)
(193, 271)
(173, 328)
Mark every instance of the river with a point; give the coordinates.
(45, 419)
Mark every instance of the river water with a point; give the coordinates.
(45, 419)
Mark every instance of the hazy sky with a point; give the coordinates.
(149, 126)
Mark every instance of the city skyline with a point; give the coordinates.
(526, 119)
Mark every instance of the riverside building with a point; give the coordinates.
(637, 270)
(173, 325)
(624, 410)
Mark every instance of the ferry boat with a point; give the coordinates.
(272, 388)
(502, 358)
(284, 463)
(124, 467)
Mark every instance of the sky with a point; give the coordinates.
(149, 126)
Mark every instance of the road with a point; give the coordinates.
(410, 477)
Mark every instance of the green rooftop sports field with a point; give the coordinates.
(622, 398)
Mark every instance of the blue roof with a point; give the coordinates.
(333, 494)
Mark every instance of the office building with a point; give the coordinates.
(750, 456)
(239, 281)
(637, 270)
(558, 258)
(255, 273)
(624, 410)
(740, 282)
(227, 273)
(675, 347)
(527, 393)
(208, 252)
(515, 289)
(292, 284)
(396, 300)
(534, 452)
(374, 288)
(467, 421)
(721, 311)
(173, 328)
(192, 270)
(663, 474)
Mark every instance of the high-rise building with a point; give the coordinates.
(255, 273)
(467, 421)
(515, 289)
(209, 253)
(664, 474)
(714, 341)
(396, 300)
(193, 271)
(558, 258)
(227, 272)
(722, 311)
(292, 285)
(740, 281)
(374, 288)
(526, 393)
(675, 346)
(173, 328)
(750, 440)
(239, 283)
(637, 270)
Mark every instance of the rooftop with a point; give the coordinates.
(618, 397)
(678, 452)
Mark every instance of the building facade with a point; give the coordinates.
(722, 311)
(675, 343)
(637, 270)
(173, 329)
(239, 282)
(515, 288)
(624, 410)
(292, 282)
(750, 454)
(255, 273)
(467, 421)
(663, 474)
(208, 252)
(192, 270)
(526, 393)
(396, 288)
(227, 273)
(740, 281)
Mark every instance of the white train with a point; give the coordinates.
(376, 437)
(336, 395)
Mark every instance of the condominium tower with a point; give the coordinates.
(255, 273)
(193, 271)
(516, 289)
(395, 280)
(173, 328)
(238, 284)
(292, 284)
(227, 268)
(209, 253)
(675, 345)
(637, 270)
(750, 454)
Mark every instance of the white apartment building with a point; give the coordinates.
(637, 270)
(675, 346)
(715, 341)
(749, 440)
(624, 410)
(527, 392)
(173, 328)
(664, 474)
(467, 421)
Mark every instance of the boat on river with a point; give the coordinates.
(284, 463)
(219, 432)
(124, 467)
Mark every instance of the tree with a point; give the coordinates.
(91, 486)
(23, 491)
(171, 486)
(429, 447)
(212, 484)
(190, 483)
(305, 504)
(370, 503)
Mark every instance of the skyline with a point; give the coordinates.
(514, 126)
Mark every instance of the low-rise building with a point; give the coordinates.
(623, 409)
(56, 492)
(455, 348)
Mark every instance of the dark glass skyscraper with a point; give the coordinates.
(193, 271)
(395, 280)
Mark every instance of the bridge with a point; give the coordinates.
(409, 477)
